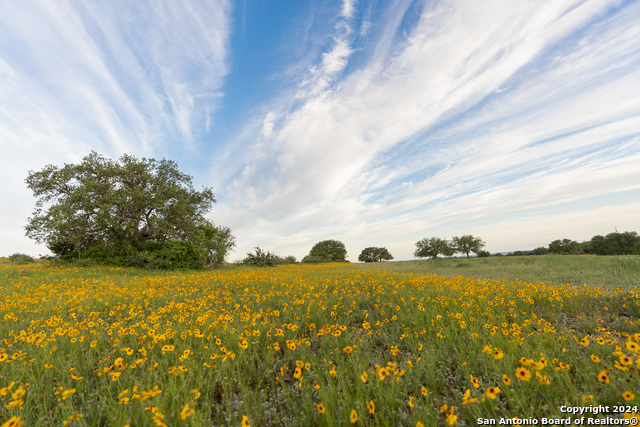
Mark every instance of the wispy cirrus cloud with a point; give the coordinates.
(114, 77)
(128, 75)
(471, 109)
(376, 123)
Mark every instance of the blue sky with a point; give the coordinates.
(376, 123)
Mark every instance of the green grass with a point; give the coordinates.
(606, 271)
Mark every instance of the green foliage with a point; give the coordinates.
(18, 258)
(168, 255)
(216, 241)
(518, 253)
(540, 251)
(483, 254)
(260, 258)
(327, 251)
(373, 254)
(565, 247)
(109, 210)
(315, 259)
(432, 247)
(466, 244)
(101, 254)
(625, 243)
(289, 259)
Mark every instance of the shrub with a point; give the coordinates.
(262, 258)
(289, 259)
(315, 259)
(106, 255)
(21, 259)
(168, 255)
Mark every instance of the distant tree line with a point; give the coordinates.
(146, 213)
(335, 251)
(625, 243)
(322, 252)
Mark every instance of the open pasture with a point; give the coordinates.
(604, 271)
(308, 345)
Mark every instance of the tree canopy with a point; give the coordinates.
(373, 254)
(564, 246)
(327, 251)
(432, 247)
(121, 207)
(625, 243)
(466, 244)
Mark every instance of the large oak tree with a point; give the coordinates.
(121, 205)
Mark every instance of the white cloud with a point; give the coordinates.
(348, 8)
(417, 119)
(335, 60)
(479, 108)
(267, 125)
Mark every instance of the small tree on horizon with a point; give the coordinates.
(466, 244)
(327, 251)
(432, 247)
(373, 254)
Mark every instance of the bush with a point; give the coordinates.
(289, 259)
(483, 254)
(100, 254)
(86, 262)
(316, 259)
(262, 258)
(168, 255)
(21, 259)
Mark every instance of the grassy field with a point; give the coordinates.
(320, 345)
(604, 271)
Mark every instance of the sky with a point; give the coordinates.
(375, 123)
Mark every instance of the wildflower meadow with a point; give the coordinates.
(309, 345)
